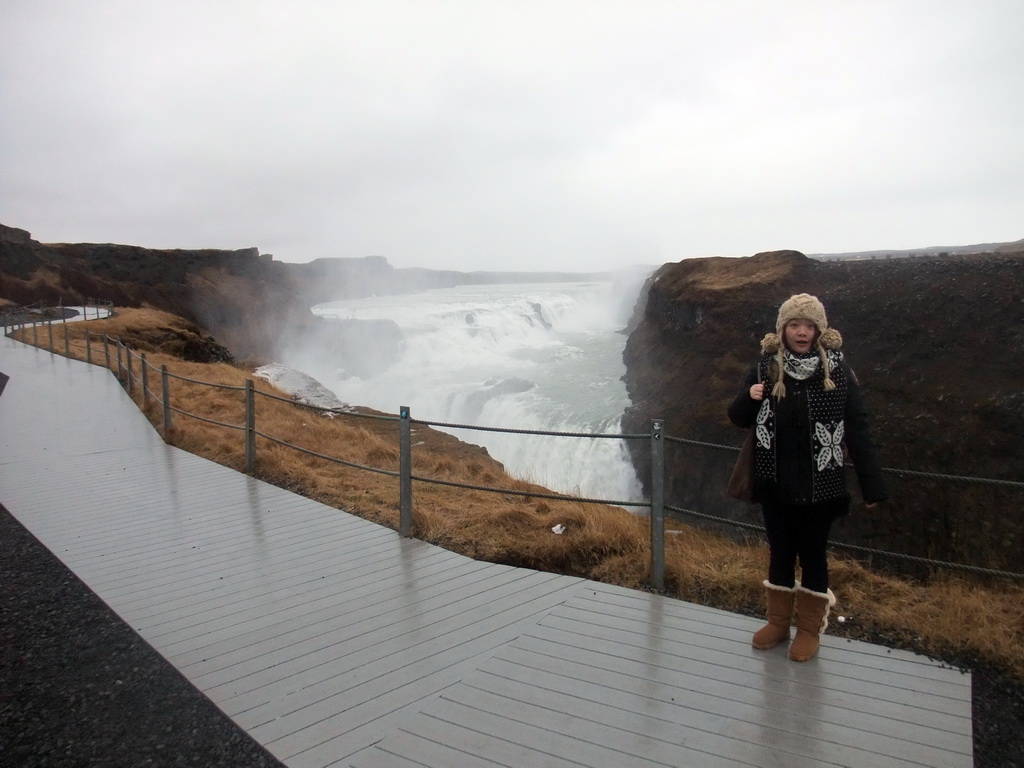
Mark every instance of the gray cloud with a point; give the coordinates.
(563, 134)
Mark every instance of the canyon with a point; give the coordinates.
(934, 339)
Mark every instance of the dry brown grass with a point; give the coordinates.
(956, 618)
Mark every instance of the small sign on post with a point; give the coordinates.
(657, 505)
(404, 472)
(250, 427)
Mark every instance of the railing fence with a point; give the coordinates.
(128, 377)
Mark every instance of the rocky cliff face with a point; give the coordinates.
(250, 302)
(936, 344)
(246, 299)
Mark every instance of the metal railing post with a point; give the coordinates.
(88, 347)
(128, 365)
(35, 334)
(657, 505)
(404, 472)
(67, 343)
(49, 330)
(106, 350)
(166, 398)
(250, 427)
(145, 382)
(120, 364)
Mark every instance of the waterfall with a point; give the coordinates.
(544, 357)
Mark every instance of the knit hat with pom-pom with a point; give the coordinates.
(802, 306)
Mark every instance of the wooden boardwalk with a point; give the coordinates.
(333, 641)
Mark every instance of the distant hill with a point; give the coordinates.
(929, 251)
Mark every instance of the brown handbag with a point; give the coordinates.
(741, 482)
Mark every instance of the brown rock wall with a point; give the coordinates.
(936, 343)
(247, 300)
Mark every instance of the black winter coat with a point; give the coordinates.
(795, 460)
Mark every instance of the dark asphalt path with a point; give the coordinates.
(78, 686)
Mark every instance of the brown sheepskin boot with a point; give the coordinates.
(780, 617)
(812, 609)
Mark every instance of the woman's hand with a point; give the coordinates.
(757, 391)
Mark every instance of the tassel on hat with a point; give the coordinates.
(802, 306)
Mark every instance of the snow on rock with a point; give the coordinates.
(301, 386)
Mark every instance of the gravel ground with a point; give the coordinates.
(80, 688)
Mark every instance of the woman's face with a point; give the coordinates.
(799, 335)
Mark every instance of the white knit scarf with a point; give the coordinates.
(801, 367)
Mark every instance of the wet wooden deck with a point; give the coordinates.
(333, 641)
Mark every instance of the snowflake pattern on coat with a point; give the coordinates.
(826, 410)
(762, 429)
(828, 445)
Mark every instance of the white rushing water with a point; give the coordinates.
(537, 357)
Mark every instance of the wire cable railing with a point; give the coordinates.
(325, 457)
(541, 432)
(859, 549)
(139, 375)
(889, 470)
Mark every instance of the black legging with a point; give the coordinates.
(798, 531)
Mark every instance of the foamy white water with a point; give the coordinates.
(538, 357)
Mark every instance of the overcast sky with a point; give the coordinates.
(528, 134)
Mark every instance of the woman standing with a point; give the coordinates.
(805, 406)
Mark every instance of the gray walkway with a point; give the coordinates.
(335, 642)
